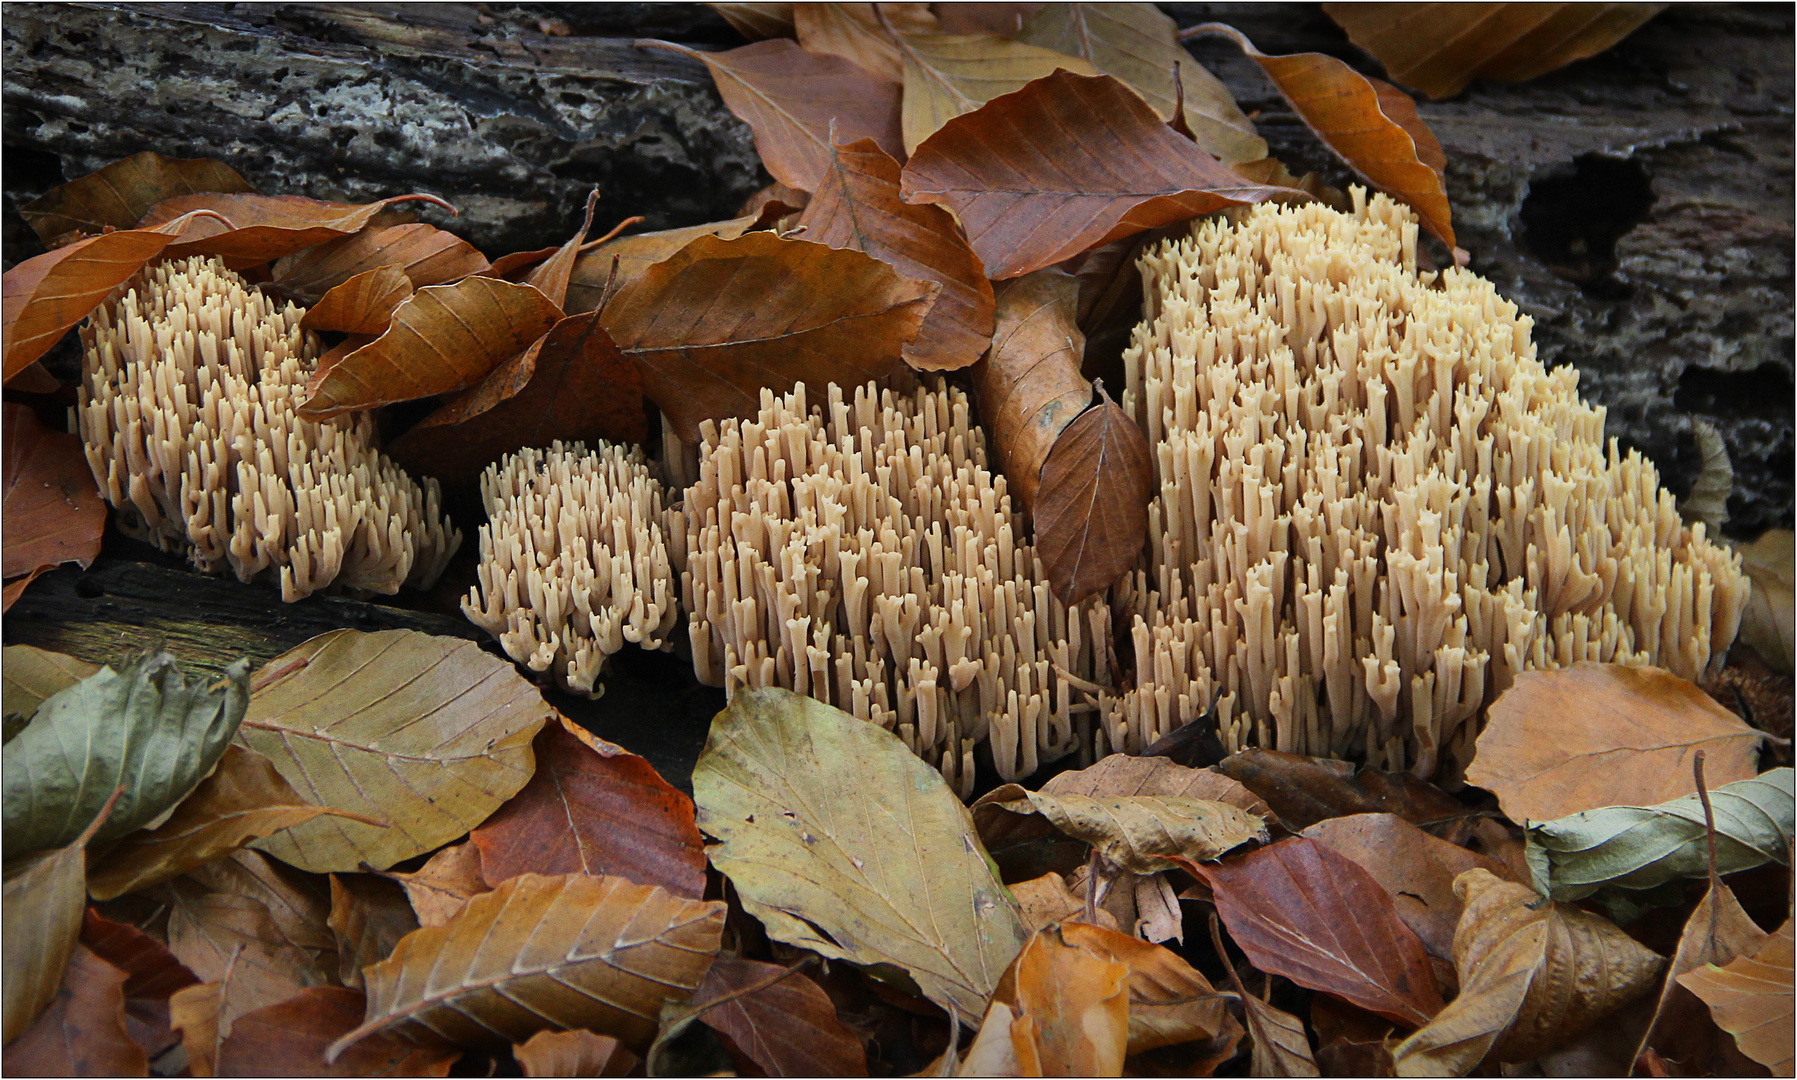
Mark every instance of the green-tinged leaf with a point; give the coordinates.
(877, 863)
(148, 729)
(30, 675)
(1144, 834)
(1638, 847)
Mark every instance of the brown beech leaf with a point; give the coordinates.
(1301, 910)
(44, 898)
(757, 21)
(1439, 48)
(265, 227)
(1144, 834)
(1047, 900)
(1591, 735)
(426, 254)
(1072, 1008)
(54, 513)
(444, 338)
(1139, 44)
(857, 206)
(1005, 20)
(1750, 998)
(120, 194)
(1170, 1002)
(1065, 164)
(950, 75)
(1091, 511)
(1280, 1045)
(630, 256)
(1415, 869)
(864, 34)
(444, 884)
(792, 99)
(575, 1053)
(775, 199)
(572, 951)
(552, 274)
(364, 304)
(298, 903)
(290, 1037)
(368, 917)
(572, 384)
(1718, 931)
(789, 1027)
(1122, 774)
(594, 808)
(30, 674)
(1533, 973)
(721, 320)
(152, 973)
(213, 933)
(1306, 790)
(82, 1032)
(1370, 124)
(1029, 387)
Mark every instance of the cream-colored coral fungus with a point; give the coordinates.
(1375, 506)
(862, 552)
(574, 562)
(189, 386)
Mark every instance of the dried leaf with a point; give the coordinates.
(363, 304)
(1030, 387)
(864, 34)
(1591, 735)
(368, 917)
(720, 320)
(298, 902)
(757, 21)
(31, 675)
(857, 206)
(1439, 48)
(1750, 998)
(812, 850)
(120, 194)
(1170, 1002)
(82, 1033)
(444, 884)
(444, 338)
(1280, 1045)
(574, 1053)
(214, 933)
(197, 1013)
(1532, 974)
(950, 75)
(1091, 513)
(244, 799)
(1005, 20)
(44, 897)
(1299, 909)
(1139, 44)
(1122, 775)
(1072, 1008)
(1766, 623)
(789, 1027)
(1048, 899)
(152, 974)
(594, 270)
(992, 1052)
(551, 275)
(1063, 165)
(54, 513)
(1306, 790)
(426, 254)
(1144, 834)
(573, 951)
(264, 227)
(1718, 931)
(290, 1038)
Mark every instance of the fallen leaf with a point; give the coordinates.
(428, 733)
(1277, 1040)
(551, 275)
(950, 75)
(1048, 899)
(264, 227)
(1306, 790)
(721, 320)
(992, 1052)
(299, 903)
(147, 729)
(1029, 387)
(630, 256)
(864, 34)
(53, 510)
(1139, 44)
(1065, 164)
(31, 675)
(1533, 973)
(757, 21)
(368, 917)
(426, 254)
(152, 975)
(777, 201)
(82, 1032)
(1144, 834)
(196, 1012)
(1005, 20)
(1415, 869)
(1350, 1041)
(1766, 624)
(1639, 847)
(290, 1037)
(1091, 510)
(1123, 774)
(214, 933)
(1072, 1008)
(573, 1053)
(1718, 931)
(1170, 1002)
(444, 884)
(443, 338)
(363, 304)
(857, 206)
(1750, 998)
(1439, 48)
(572, 951)
(1591, 735)
(788, 1028)
(875, 864)
(118, 195)
(1301, 910)
(44, 896)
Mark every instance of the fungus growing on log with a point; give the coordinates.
(1375, 506)
(574, 562)
(189, 386)
(863, 553)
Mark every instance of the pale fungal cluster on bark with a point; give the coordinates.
(1375, 506)
(574, 561)
(863, 553)
(189, 386)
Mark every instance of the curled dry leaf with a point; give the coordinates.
(152, 974)
(120, 194)
(444, 338)
(864, 34)
(1029, 386)
(1750, 998)
(82, 1032)
(44, 896)
(1591, 735)
(1718, 931)
(1306, 790)
(594, 808)
(875, 864)
(552, 274)
(573, 1053)
(1122, 774)
(788, 1027)
(363, 304)
(289, 1038)
(1170, 1002)
(1071, 1008)
(536, 953)
(608, 267)
(368, 917)
(54, 513)
(858, 206)
(1766, 624)
(1144, 834)
(264, 227)
(950, 75)
(444, 884)
(1091, 512)
(426, 254)
(1048, 899)
(721, 321)
(428, 733)
(1065, 164)
(1533, 973)
(1439, 48)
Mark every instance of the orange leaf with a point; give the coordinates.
(594, 274)
(1067, 163)
(1072, 1008)
(573, 1053)
(266, 227)
(1005, 20)
(120, 194)
(552, 274)
(1170, 1002)
(446, 337)
(428, 256)
(1750, 999)
(1718, 932)
(862, 33)
(446, 882)
(757, 21)
(1091, 513)
(362, 305)
(289, 1039)
(82, 1032)
(857, 206)
(1029, 385)
(52, 509)
(788, 1027)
